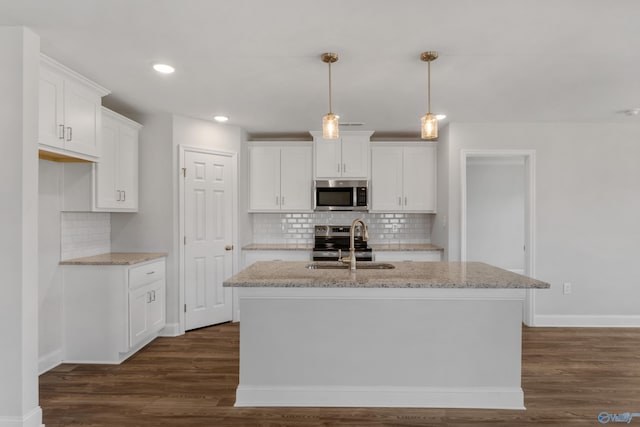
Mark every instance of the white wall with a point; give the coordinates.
(50, 289)
(496, 211)
(588, 205)
(155, 227)
(19, 50)
(440, 229)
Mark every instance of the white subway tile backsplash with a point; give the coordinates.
(84, 234)
(383, 228)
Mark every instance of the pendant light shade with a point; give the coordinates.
(330, 121)
(429, 123)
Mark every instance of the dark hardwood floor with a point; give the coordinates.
(569, 376)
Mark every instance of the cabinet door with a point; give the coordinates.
(295, 178)
(139, 300)
(106, 187)
(127, 167)
(386, 179)
(156, 308)
(328, 158)
(419, 179)
(264, 178)
(51, 119)
(355, 156)
(81, 119)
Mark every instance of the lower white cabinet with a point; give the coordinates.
(251, 256)
(111, 311)
(399, 256)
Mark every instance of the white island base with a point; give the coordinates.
(385, 347)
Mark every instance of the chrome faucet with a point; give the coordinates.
(352, 250)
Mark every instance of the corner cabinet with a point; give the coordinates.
(111, 183)
(112, 311)
(344, 157)
(403, 177)
(116, 174)
(280, 177)
(69, 112)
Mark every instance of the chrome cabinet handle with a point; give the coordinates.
(405, 200)
(61, 132)
(150, 272)
(153, 293)
(69, 133)
(399, 201)
(344, 168)
(148, 297)
(338, 167)
(282, 200)
(277, 201)
(124, 196)
(119, 195)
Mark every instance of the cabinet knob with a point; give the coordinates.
(228, 248)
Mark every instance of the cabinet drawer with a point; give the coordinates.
(146, 273)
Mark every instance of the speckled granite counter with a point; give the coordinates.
(405, 247)
(405, 275)
(277, 247)
(115, 258)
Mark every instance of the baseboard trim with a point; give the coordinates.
(32, 419)
(587, 321)
(170, 330)
(400, 397)
(50, 361)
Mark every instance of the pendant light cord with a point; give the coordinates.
(429, 87)
(329, 87)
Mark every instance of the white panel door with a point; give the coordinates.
(208, 221)
(82, 118)
(51, 109)
(128, 167)
(328, 158)
(264, 178)
(107, 195)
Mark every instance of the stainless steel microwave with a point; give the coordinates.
(341, 195)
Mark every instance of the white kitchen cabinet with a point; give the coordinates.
(110, 184)
(399, 256)
(251, 256)
(280, 177)
(116, 174)
(403, 177)
(69, 112)
(112, 311)
(344, 157)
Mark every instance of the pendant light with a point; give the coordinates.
(429, 120)
(330, 121)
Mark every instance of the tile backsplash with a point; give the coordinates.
(84, 234)
(383, 227)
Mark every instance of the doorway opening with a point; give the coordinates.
(498, 213)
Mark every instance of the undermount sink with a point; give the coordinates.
(362, 265)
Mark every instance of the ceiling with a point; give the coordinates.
(258, 62)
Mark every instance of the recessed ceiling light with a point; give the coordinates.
(163, 68)
(441, 116)
(220, 119)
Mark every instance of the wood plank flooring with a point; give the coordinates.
(569, 376)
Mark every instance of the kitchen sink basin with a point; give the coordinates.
(363, 265)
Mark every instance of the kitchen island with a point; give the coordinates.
(423, 334)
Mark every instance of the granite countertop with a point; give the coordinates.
(278, 247)
(115, 258)
(405, 247)
(375, 246)
(406, 275)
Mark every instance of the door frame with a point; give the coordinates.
(530, 214)
(182, 150)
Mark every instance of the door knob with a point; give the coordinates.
(228, 248)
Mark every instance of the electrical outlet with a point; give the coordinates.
(566, 288)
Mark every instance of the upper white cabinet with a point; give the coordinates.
(69, 112)
(116, 174)
(280, 177)
(344, 157)
(403, 177)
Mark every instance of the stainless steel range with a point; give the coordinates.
(332, 241)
